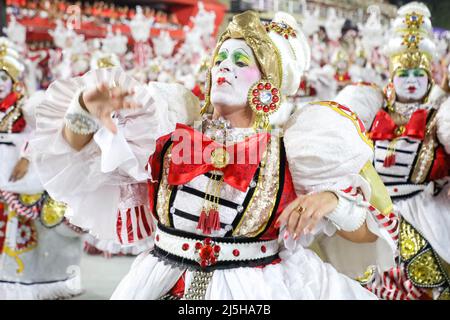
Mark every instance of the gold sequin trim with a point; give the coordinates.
(52, 212)
(367, 276)
(411, 242)
(426, 154)
(259, 210)
(445, 295)
(30, 199)
(424, 270)
(164, 191)
(9, 119)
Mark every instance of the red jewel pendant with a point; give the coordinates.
(207, 253)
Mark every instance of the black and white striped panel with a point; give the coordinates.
(399, 191)
(189, 200)
(406, 151)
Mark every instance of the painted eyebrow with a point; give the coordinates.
(224, 50)
(244, 51)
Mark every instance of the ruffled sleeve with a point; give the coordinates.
(104, 183)
(326, 151)
(443, 125)
(364, 99)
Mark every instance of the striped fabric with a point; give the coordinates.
(406, 151)
(134, 224)
(389, 222)
(395, 285)
(14, 204)
(189, 199)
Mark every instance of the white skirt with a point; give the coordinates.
(301, 274)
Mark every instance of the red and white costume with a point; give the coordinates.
(127, 187)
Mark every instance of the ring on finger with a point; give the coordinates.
(300, 209)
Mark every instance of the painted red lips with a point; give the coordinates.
(412, 89)
(221, 80)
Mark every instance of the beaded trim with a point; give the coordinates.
(164, 191)
(79, 120)
(425, 157)
(424, 267)
(199, 285)
(8, 120)
(258, 212)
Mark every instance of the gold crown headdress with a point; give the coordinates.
(282, 53)
(412, 44)
(9, 59)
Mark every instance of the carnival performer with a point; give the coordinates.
(93, 245)
(410, 126)
(39, 250)
(233, 205)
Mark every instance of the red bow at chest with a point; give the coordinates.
(194, 154)
(9, 100)
(384, 128)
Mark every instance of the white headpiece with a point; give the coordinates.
(294, 50)
(411, 44)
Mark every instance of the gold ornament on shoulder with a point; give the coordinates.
(52, 212)
(30, 199)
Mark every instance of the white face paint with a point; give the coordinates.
(235, 70)
(411, 85)
(6, 84)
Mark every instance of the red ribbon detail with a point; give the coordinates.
(9, 100)
(191, 157)
(384, 127)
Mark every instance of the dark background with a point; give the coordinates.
(440, 11)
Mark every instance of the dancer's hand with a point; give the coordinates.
(102, 100)
(302, 215)
(20, 170)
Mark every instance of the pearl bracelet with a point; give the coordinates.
(78, 120)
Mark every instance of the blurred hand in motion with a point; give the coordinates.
(20, 170)
(102, 100)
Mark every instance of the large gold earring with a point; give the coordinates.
(19, 88)
(389, 93)
(264, 99)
